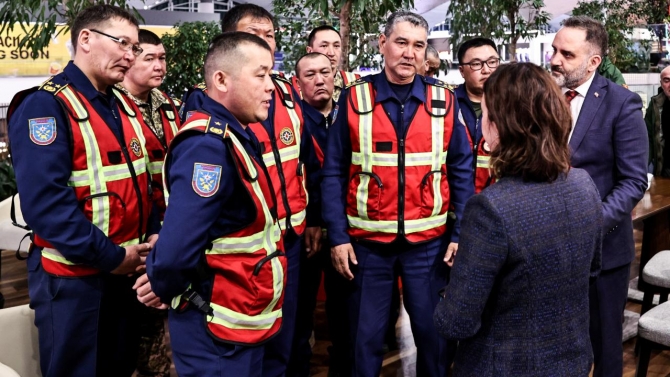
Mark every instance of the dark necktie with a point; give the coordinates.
(570, 95)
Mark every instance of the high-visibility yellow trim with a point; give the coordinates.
(238, 321)
(391, 226)
(56, 256)
(364, 102)
(483, 161)
(100, 204)
(296, 219)
(285, 154)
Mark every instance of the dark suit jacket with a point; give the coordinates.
(610, 142)
(518, 294)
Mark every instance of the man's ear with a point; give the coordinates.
(594, 62)
(83, 41)
(220, 81)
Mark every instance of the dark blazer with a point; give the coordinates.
(518, 294)
(610, 142)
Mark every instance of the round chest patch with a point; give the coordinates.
(286, 136)
(135, 147)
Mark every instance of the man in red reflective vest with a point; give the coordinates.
(289, 156)
(81, 171)
(161, 122)
(397, 159)
(224, 270)
(478, 58)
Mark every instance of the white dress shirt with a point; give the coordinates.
(578, 101)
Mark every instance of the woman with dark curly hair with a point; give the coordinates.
(518, 295)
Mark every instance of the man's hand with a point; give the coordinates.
(145, 295)
(313, 236)
(341, 254)
(133, 259)
(452, 249)
(152, 242)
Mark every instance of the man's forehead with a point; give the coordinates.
(571, 36)
(326, 35)
(256, 22)
(481, 52)
(315, 63)
(665, 73)
(149, 48)
(406, 29)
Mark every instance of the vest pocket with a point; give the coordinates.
(428, 194)
(364, 198)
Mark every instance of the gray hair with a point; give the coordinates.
(404, 16)
(430, 50)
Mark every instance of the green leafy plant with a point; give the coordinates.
(506, 20)
(7, 180)
(358, 21)
(38, 18)
(185, 54)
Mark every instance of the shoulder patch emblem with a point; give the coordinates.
(135, 147)
(286, 136)
(206, 179)
(42, 130)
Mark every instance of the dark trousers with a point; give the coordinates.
(607, 300)
(278, 349)
(86, 326)
(197, 354)
(423, 274)
(337, 291)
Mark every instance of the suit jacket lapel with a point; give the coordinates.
(589, 109)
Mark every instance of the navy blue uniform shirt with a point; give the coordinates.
(49, 205)
(335, 173)
(192, 221)
(317, 124)
(468, 116)
(194, 101)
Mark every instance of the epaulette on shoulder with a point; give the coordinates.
(439, 83)
(201, 86)
(217, 128)
(52, 87)
(354, 83)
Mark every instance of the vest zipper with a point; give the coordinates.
(475, 144)
(282, 180)
(401, 174)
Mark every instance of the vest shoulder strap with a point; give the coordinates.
(284, 91)
(365, 94)
(124, 101)
(60, 88)
(439, 97)
(359, 81)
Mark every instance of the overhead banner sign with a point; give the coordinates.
(16, 61)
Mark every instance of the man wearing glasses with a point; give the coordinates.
(81, 170)
(477, 58)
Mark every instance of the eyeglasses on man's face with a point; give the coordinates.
(124, 44)
(476, 65)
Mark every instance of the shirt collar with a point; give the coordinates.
(83, 85)
(384, 91)
(315, 115)
(583, 89)
(219, 112)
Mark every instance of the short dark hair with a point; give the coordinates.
(532, 134)
(224, 50)
(474, 43)
(93, 16)
(312, 34)
(404, 16)
(149, 37)
(309, 55)
(595, 32)
(237, 13)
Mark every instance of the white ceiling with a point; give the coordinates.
(434, 11)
